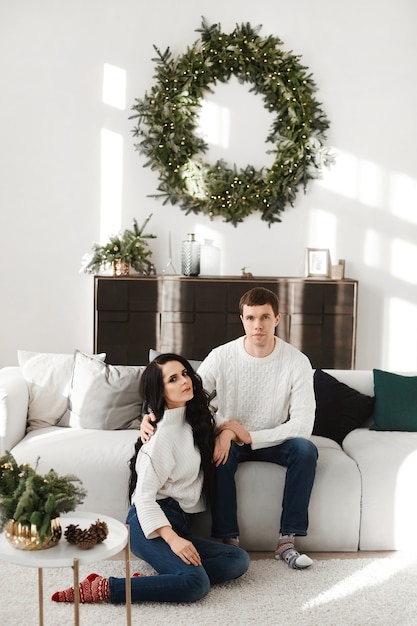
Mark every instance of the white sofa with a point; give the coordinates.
(363, 496)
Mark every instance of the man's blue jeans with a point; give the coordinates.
(176, 581)
(298, 455)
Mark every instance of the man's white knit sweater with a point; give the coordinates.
(272, 396)
(168, 465)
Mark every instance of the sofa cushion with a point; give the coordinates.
(387, 462)
(339, 408)
(103, 396)
(48, 377)
(334, 510)
(154, 353)
(395, 401)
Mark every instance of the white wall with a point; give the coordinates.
(52, 118)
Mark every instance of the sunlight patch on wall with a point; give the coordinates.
(213, 124)
(355, 178)
(114, 86)
(401, 332)
(322, 229)
(404, 261)
(342, 178)
(226, 123)
(111, 183)
(373, 249)
(111, 155)
(370, 184)
(403, 197)
(389, 250)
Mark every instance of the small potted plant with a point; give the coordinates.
(30, 504)
(129, 248)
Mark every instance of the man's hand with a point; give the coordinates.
(242, 435)
(146, 427)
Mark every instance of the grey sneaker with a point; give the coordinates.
(231, 541)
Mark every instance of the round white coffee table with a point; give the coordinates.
(67, 555)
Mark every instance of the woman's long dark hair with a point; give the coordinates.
(197, 414)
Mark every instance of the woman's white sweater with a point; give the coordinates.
(169, 465)
(272, 396)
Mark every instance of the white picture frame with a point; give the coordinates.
(318, 262)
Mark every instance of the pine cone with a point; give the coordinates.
(86, 540)
(99, 530)
(72, 533)
(88, 537)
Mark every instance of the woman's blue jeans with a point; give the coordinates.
(298, 455)
(176, 581)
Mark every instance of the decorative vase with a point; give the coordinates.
(190, 256)
(210, 259)
(120, 268)
(26, 537)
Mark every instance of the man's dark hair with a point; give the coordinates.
(258, 296)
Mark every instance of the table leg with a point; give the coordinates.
(76, 593)
(128, 581)
(40, 595)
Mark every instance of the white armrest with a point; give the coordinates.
(14, 400)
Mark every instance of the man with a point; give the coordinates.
(265, 412)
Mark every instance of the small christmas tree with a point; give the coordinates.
(130, 247)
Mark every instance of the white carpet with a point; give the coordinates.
(336, 592)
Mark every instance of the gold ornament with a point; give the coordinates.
(26, 537)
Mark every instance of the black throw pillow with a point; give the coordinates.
(339, 408)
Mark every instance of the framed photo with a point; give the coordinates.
(318, 263)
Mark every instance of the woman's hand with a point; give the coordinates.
(146, 427)
(183, 548)
(222, 447)
(242, 435)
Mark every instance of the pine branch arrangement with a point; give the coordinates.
(129, 246)
(30, 498)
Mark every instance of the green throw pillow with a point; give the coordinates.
(395, 402)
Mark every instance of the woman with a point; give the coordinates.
(172, 476)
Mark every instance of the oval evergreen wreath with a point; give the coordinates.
(167, 118)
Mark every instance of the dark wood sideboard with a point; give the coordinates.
(192, 315)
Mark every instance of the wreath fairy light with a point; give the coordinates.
(167, 118)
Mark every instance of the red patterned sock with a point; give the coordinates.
(94, 588)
